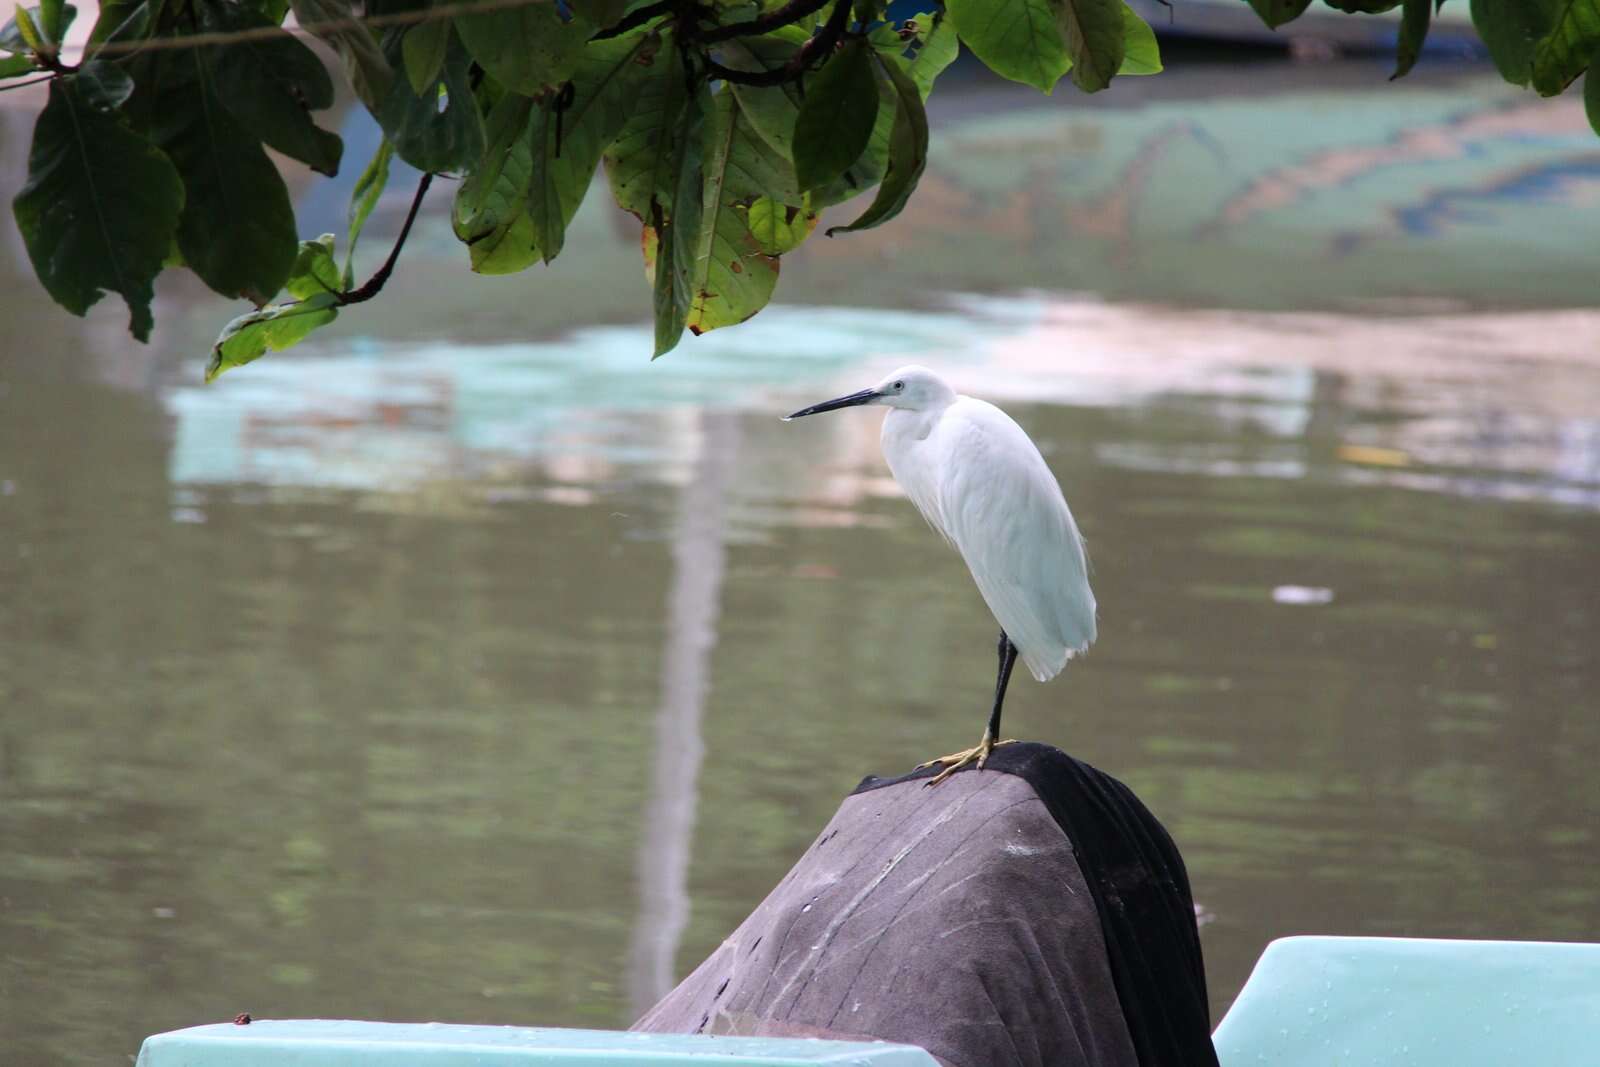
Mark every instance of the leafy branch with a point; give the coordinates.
(727, 140)
(815, 49)
(787, 15)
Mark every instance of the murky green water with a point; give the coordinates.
(420, 680)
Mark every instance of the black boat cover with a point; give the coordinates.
(1033, 914)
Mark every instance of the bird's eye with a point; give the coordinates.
(899, 387)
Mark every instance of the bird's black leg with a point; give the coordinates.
(991, 734)
(1008, 659)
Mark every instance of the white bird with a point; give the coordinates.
(980, 481)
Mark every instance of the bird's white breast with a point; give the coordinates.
(980, 481)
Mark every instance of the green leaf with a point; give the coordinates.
(509, 247)
(1277, 12)
(908, 152)
(250, 336)
(237, 231)
(1017, 39)
(423, 51)
(567, 142)
(1591, 98)
(732, 277)
(940, 46)
(640, 160)
(82, 242)
(1565, 52)
(669, 234)
(1511, 29)
(102, 86)
(1413, 32)
(1092, 30)
(774, 111)
(271, 84)
(425, 135)
(54, 19)
(836, 118)
(50, 15)
(16, 66)
(28, 30)
(771, 109)
(490, 214)
(601, 14)
(119, 21)
(779, 227)
(363, 198)
(1141, 54)
(508, 149)
(315, 270)
(527, 48)
(364, 61)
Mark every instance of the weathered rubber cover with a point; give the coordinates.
(1033, 914)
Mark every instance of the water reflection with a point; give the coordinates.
(1264, 395)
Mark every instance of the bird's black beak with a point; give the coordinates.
(866, 396)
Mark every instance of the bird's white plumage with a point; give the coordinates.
(980, 481)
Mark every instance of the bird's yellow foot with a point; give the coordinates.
(956, 760)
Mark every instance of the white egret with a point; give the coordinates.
(981, 482)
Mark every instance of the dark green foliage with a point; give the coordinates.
(1414, 22)
(85, 239)
(1277, 12)
(569, 131)
(1363, 7)
(1565, 51)
(237, 231)
(426, 135)
(271, 86)
(1591, 99)
(725, 150)
(369, 187)
(1093, 33)
(836, 117)
(908, 150)
(675, 219)
(1512, 29)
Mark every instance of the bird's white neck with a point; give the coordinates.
(907, 424)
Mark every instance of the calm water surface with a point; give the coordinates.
(497, 682)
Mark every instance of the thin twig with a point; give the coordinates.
(373, 285)
(817, 47)
(788, 14)
(313, 29)
(24, 85)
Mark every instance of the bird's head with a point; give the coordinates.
(912, 388)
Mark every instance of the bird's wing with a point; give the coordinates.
(998, 502)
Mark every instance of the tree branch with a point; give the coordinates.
(23, 85)
(374, 285)
(789, 13)
(817, 47)
(636, 18)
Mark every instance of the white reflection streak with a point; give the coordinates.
(698, 556)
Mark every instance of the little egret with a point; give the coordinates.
(979, 481)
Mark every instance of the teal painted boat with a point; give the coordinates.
(1310, 1002)
(331, 1043)
(1410, 1002)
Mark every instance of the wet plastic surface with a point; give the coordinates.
(331, 1043)
(1389, 1001)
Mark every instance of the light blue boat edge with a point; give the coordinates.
(1378, 1001)
(351, 1043)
